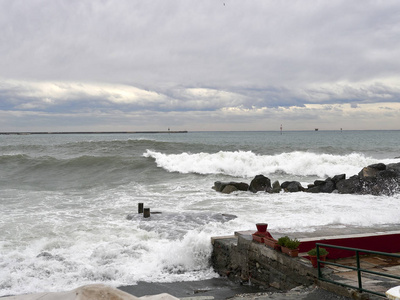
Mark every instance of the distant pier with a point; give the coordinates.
(89, 132)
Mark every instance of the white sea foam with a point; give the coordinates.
(248, 164)
(94, 242)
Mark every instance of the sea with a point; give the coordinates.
(69, 202)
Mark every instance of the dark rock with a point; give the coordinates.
(337, 178)
(241, 186)
(379, 166)
(285, 184)
(260, 183)
(353, 185)
(217, 186)
(376, 179)
(320, 186)
(313, 188)
(368, 172)
(328, 187)
(229, 189)
(292, 186)
(276, 187)
(387, 174)
(220, 186)
(319, 182)
(394, 167)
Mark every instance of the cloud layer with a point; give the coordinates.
(199, 65)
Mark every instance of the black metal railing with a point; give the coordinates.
(357, 268)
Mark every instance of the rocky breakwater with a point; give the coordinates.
(376, 179)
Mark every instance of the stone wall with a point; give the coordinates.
(241, 259)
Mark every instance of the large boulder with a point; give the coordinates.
(276, 187)
(260, 183)
(320, 186)
(394, 167)
(292, 186)
(377, 179)
(372, 170)
(229, 187)
(338, 178)
(353, 185)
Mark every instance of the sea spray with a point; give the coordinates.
(248, 164)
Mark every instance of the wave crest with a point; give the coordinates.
(248, 164)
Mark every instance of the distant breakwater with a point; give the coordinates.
(89, 132)
(376, 179)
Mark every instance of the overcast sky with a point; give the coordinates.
(71, 65)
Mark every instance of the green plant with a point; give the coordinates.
(292, 244)
(322, 252)
(283, 240)
(287, 242)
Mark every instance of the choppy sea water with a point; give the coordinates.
(65, 199)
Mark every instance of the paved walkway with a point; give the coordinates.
(222, 288)
(375, 263)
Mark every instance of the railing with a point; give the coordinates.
(358, 268)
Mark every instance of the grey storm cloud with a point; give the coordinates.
(236, 58)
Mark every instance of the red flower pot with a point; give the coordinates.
(290, 252)
(272, 243)
(314, 262)
(262, 227)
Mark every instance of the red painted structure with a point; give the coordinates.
(385, 242)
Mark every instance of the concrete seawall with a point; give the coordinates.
(239, 258)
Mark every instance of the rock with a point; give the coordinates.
(379, 166)
(322, 186)
(292, 186)
(387, 174)
(352, 185)
(220, 186)
(276, 187)
(337, 178)
(375, 179)
(368, 172)
(394, 167)
(260, 183)
(319, 182)
(313, 188)
(328, 187)
(217, 186)
(229, 189)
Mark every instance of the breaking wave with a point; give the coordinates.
(248, 164)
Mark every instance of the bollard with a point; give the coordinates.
(146, 212)
(140, 208)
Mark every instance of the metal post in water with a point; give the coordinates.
(146, 213)
(140, 208)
